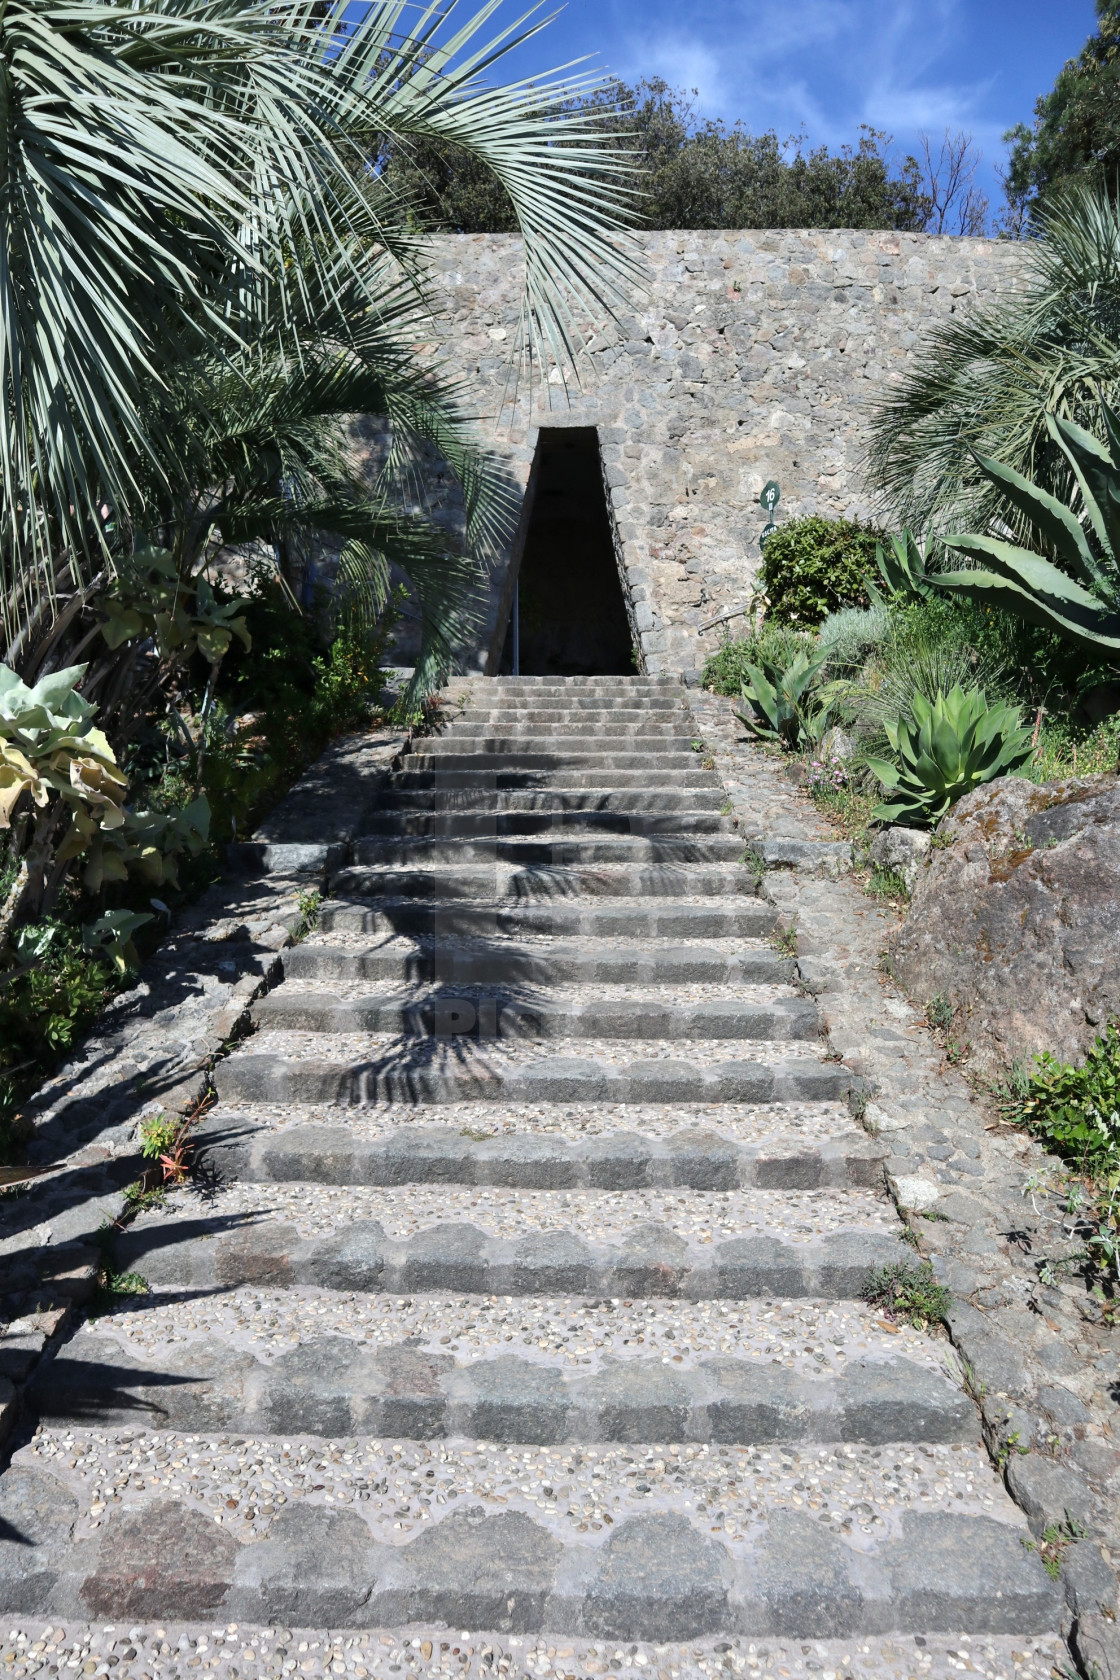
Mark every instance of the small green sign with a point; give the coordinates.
(766, 530)
(771, 496)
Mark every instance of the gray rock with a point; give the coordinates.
(1048, 1491)
(804, 1575)
(1017, 922)
(37, 1514)
(471, 1570)
(660, 1579)
(315, 1567)
(1096, 1639)
(1089, 1582)
(905, 851)
(974, 1572)
(163, 1560)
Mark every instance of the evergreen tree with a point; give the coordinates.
(1076, 131)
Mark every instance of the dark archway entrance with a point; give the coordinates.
(573, 618)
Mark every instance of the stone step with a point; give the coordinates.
(547, 962)
(579, 709)
(616, 1541)
(503, 687)
(484, 1012)
(751, 918)
(242, 1143)
(497, 1240)
(362, 1069)
(556, 849)
(469, 797)
(331, 1385)
(599, 747)
(615, 726)
(500, 882)
(558, 822)
(470, 777)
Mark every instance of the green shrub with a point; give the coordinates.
(1076, 1110)
(812, 567)
(726, 671)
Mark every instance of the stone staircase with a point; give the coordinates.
(523, 1291)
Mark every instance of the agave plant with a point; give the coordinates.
(950, 746)
(784, 705)
(1077, 593)
(902, 568)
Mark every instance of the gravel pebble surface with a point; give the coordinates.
(811, 1339)
(466, 1053)
(799, 1216)
(177, 1650)
(399, 1487)
(741, 1123)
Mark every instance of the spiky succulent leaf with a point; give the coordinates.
(950, 746)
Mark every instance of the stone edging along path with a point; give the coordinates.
(152, 1049)
(976, 1196)
(1039, 1373)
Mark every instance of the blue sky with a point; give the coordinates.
(829, 65)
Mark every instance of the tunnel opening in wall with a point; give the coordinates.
(571, 613)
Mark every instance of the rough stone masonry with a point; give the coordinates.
(750, 356)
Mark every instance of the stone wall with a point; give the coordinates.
(751, 356)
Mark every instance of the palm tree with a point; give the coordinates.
(204, 268)
(983, 383)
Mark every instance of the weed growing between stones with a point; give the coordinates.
(309, 901)
(785, 942)
(111, 1284)
(889, 886)
(909, 1292)
(939, 1013)
(1054, 1543)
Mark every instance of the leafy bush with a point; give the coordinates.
(848, 636)
(951, 746)
(726, 671)
(1076, 1110)
(812, 567)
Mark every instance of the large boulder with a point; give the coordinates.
(1017, 920)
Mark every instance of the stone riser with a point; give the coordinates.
(330, 1154)
(654, 1577)
(538, 884)
(557, 853)
(565, 824)
(207, 1253)
(332, 1387)
(752, 919)
(513, 965)
(444, 781)
(589, 764)
(246, 1077)
(699, 802)
(481, 1016)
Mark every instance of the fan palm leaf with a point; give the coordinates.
(194, 177)
(982, 384)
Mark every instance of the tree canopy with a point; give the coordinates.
(694, 173)
(1076, 130)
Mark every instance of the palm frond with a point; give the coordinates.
(983, 383)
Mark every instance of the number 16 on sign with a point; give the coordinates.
(769, 499)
